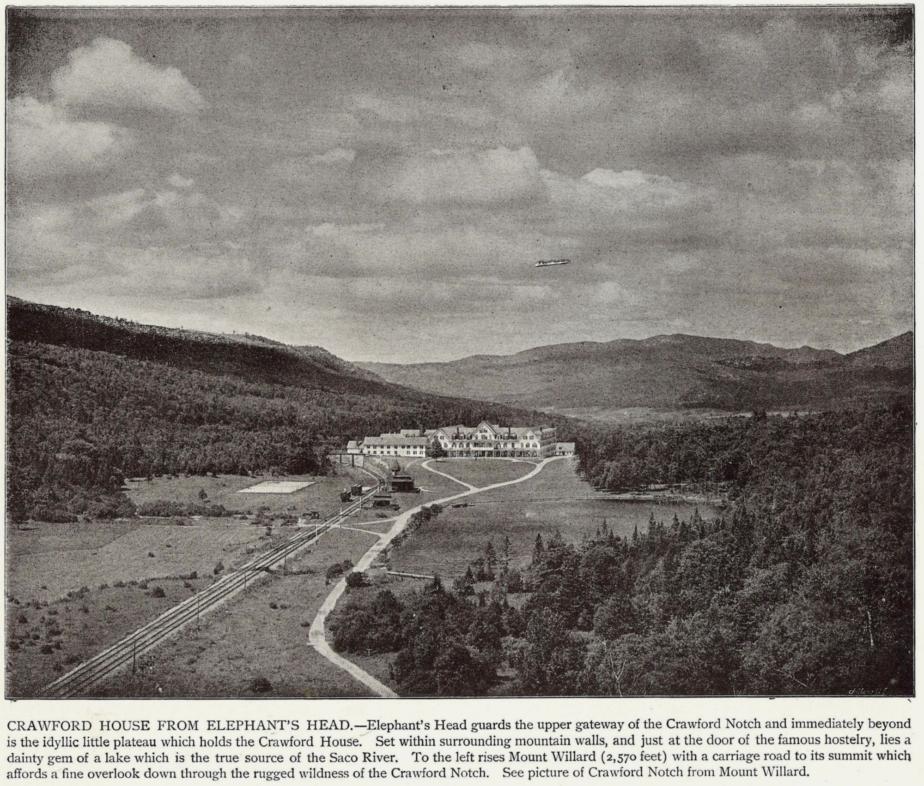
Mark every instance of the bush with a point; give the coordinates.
(261, 685)
(219, 567)
(46, 649)
(355, 579)
(338, 569)
(158, 592)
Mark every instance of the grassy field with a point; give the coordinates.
(484, 472)
(322, 495)
(262, 632)
(556, 499)
(125, 550)
(37, 571)
(44, 640)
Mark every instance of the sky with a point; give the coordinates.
(381, 183)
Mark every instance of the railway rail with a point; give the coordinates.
(126, 651)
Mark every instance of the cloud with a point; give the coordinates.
(482, 177)
(191, 273)
(337, 155)
(343, 231)
(44, 142)
(92, 235)
(178, 181)
(414, 109)
(107, 73)
(638, 189)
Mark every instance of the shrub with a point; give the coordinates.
(219, 567)
(158, 592)
(261, 685)
(46, 649)
(338, 569)
(355, 579)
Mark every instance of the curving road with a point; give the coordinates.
(316, 633)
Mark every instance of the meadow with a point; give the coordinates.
(106, 552)
(556, 500)
(44, 640)
(322, 495)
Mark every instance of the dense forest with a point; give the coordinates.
(92, 401)
(805, 586)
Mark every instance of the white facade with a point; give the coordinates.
(487, 440)
(395, 445)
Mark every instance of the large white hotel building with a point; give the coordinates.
(486, 440)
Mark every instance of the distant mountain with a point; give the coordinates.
(668, 372)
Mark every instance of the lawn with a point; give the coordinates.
(484, 472)
(555, 500)
(262, 632)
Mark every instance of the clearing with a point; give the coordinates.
(315, 493)
(557, 499)
(107, 552)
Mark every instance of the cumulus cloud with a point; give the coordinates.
(107, 73)
(44, 142)
(491, 176)
(337, 155)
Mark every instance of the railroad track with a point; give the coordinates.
(126, 651)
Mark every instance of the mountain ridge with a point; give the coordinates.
(668, 371)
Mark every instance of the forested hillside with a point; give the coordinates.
(92, 400)
(805, 586)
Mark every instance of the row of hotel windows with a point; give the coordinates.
(396, 451)
(492, 445)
